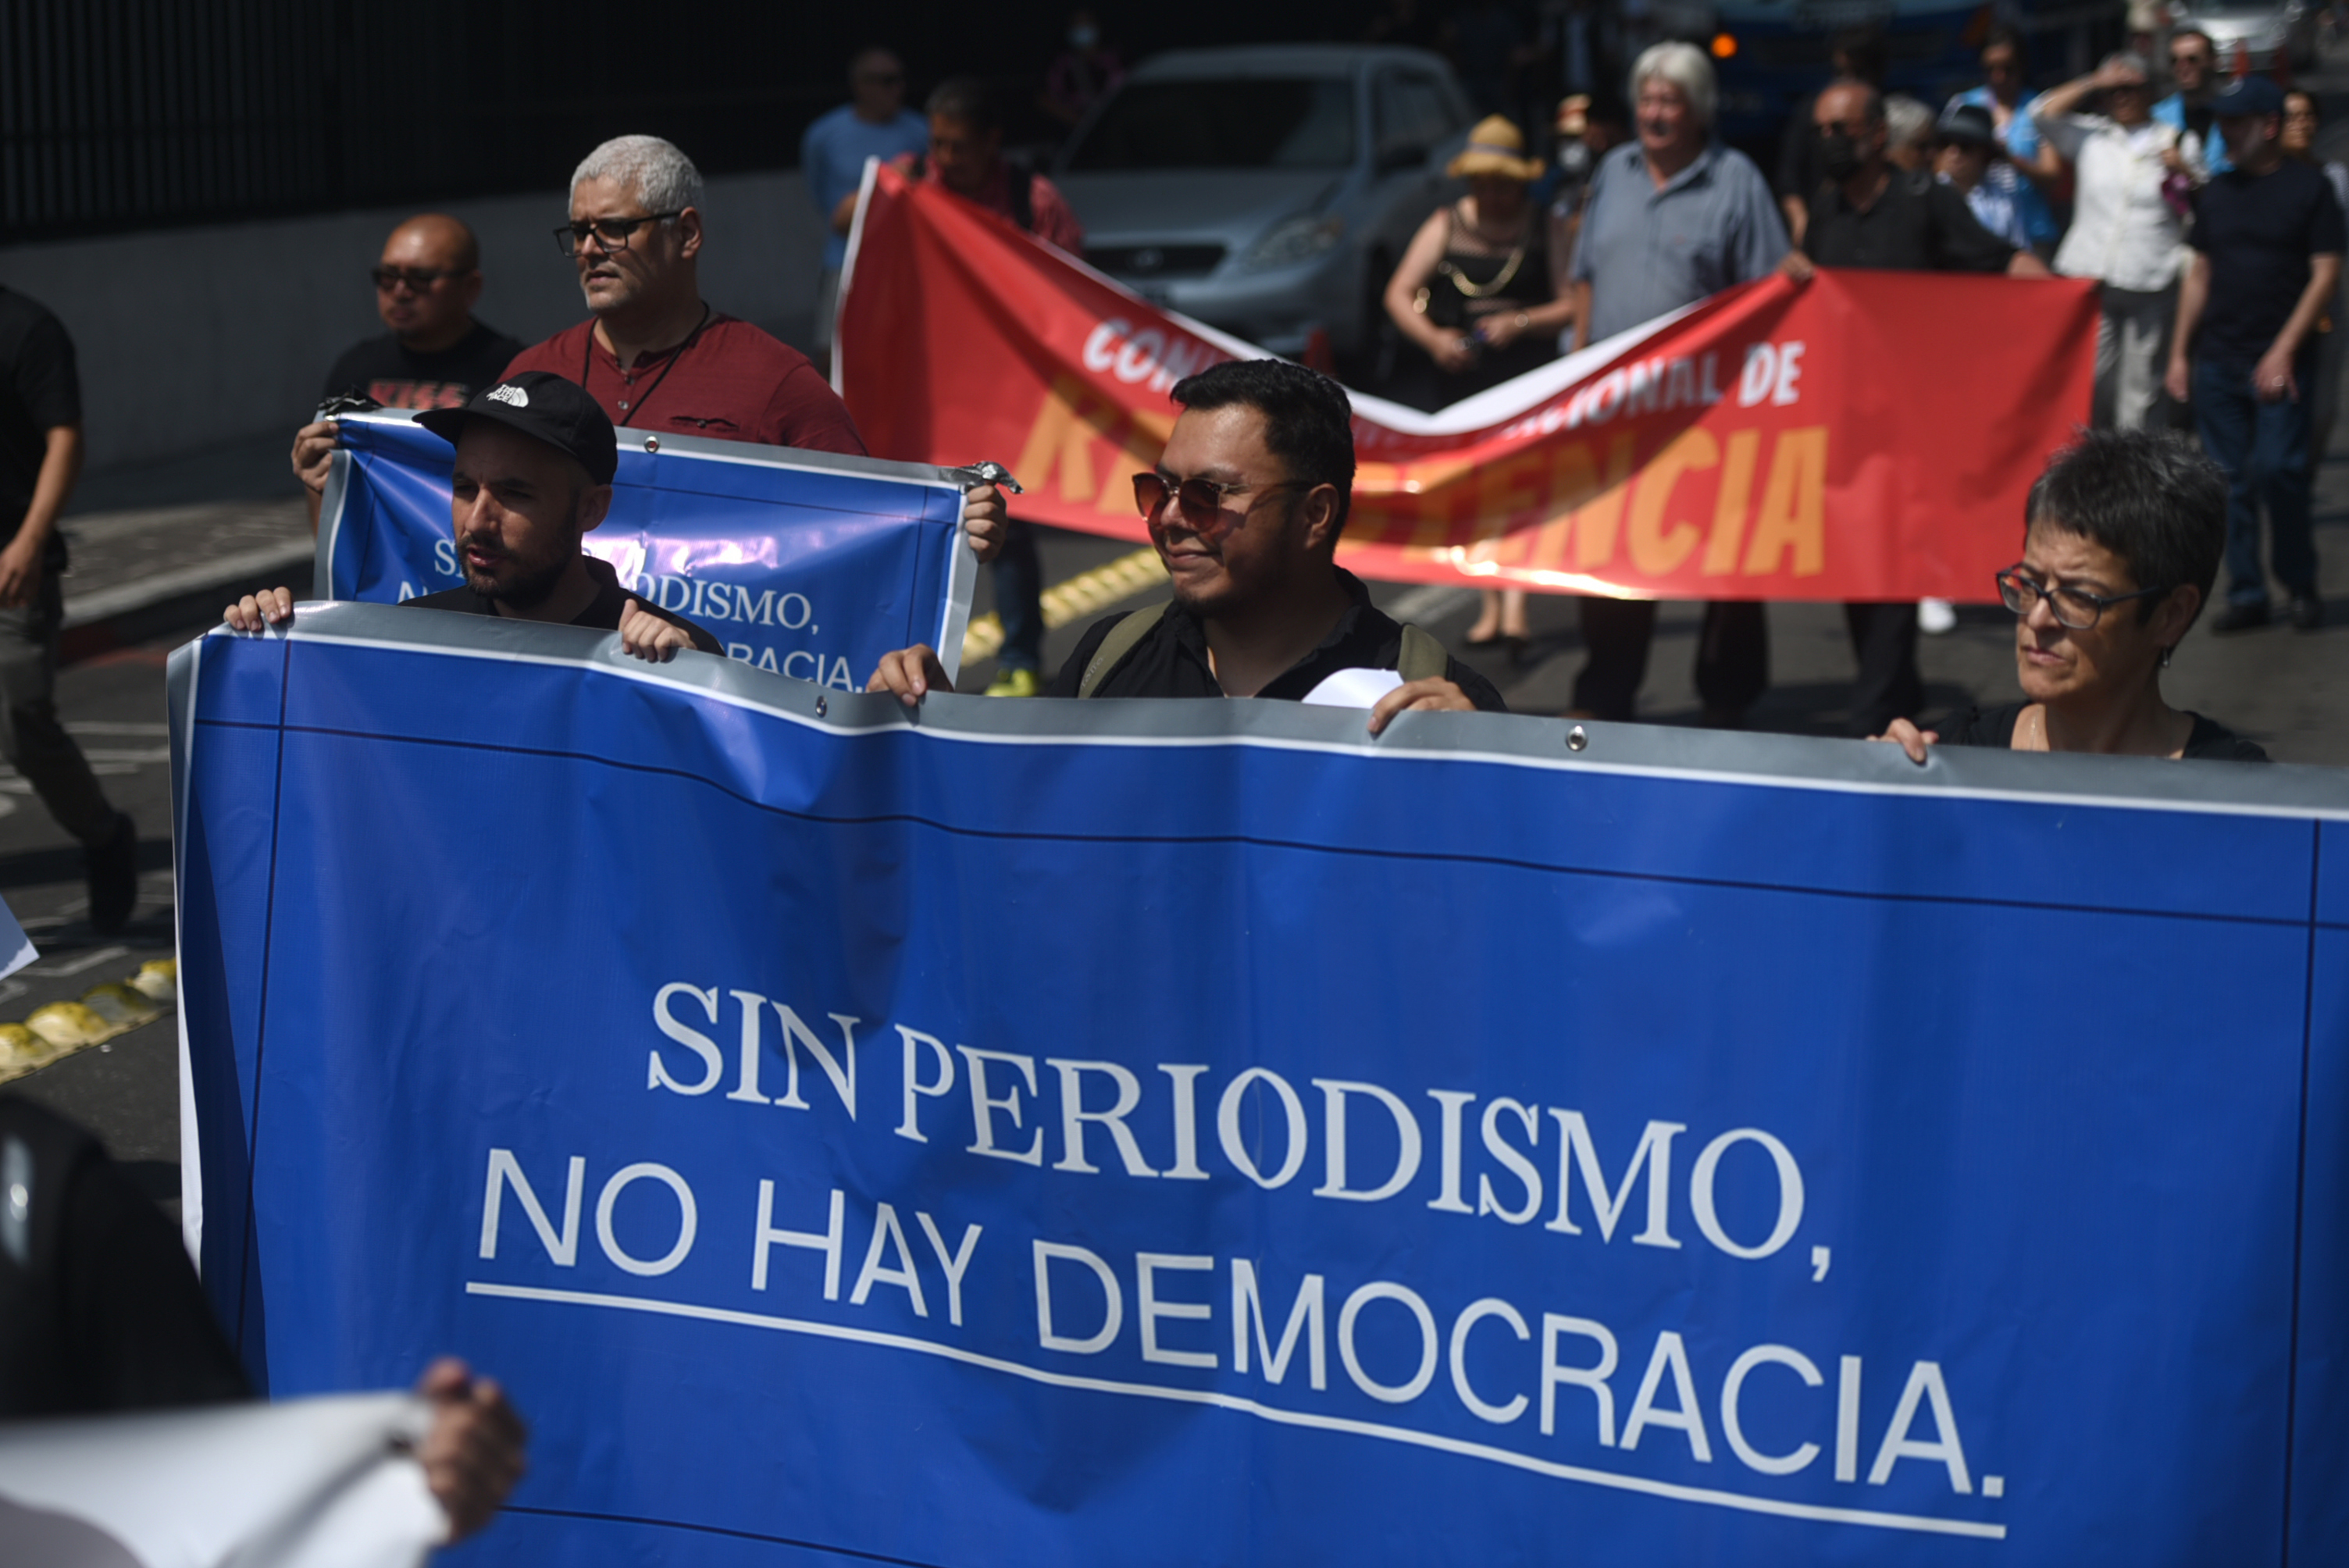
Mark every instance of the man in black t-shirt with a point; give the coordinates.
(1867, 213)
(2268, 240)
(1245, 508)
(535, 455)
(40, 457)
(436, 355)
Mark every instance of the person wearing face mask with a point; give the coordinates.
(2268, 240)
(1866, 213)
(2121, 548)
(1081, 75)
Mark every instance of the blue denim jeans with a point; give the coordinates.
(1020, 599)
(2263, 450)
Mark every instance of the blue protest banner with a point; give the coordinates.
(807, 563)
(1182, 1132)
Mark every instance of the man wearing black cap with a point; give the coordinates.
(535, 457)
(2268, 240)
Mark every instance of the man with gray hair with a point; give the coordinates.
(1671, 219)
(659, 358)
(653, 352)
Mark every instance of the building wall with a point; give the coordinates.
(192, 335)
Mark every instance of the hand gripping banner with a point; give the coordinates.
(1192, 1132)
(808, 564)
(1869, 436)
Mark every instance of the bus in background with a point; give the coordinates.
(1770, 53)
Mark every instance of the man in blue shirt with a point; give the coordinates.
(874, 124)
(2192, 60)
(1671, 218)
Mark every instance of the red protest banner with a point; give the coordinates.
(1870, 434)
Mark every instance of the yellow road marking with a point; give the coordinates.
(1081, 595)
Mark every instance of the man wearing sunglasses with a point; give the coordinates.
(1245, 506)
(436, 354)
(874, 123)
(659, 358)
(2193, 61)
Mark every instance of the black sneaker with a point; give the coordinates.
(2306, 612)
(2249, 615)
(113, 868)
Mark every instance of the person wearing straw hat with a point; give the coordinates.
(1474, 293)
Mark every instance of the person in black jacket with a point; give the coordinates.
(2123, 541)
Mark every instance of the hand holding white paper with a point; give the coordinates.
(1354, 689)
(310, 1483)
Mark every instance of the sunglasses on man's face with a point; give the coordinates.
(1199, 502)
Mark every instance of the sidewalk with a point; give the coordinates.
(164, 545)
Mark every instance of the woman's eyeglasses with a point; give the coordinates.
(2076, 608)
(610, 234)
(1200, 503)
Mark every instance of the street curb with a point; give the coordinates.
(187, 599)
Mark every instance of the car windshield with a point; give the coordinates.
(1254, 123)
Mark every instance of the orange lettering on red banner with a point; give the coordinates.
(1595, 521)
(1058, 452)
(1793, 507)
(1656, 548)
(1736, 499)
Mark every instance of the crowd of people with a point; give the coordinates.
(2215, 236)
(2201, 215)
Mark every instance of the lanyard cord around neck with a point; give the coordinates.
(587, 362)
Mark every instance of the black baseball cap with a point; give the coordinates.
(545, 407)
(1969, 123)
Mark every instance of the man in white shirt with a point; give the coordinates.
(2124, 231)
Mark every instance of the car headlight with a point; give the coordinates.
(1295, 240)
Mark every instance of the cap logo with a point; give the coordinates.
(511, 394)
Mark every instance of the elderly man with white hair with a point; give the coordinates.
(659, 358)
(1671, 219)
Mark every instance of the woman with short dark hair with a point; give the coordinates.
(2123, 541)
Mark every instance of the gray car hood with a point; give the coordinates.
(1233, 206)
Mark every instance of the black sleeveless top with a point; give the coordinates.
(1465, 288)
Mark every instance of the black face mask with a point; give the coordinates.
(1839, 155)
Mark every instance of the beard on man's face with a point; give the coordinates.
(519, 579)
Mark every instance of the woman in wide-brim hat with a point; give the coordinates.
(1475, 294)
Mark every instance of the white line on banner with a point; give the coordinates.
(653, 675)
(1922, 1523)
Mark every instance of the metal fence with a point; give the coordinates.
(138, 114)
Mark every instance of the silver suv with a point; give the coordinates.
(1268, 191)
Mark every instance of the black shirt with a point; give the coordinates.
(1172, 659)
(399, 378)
(1918, 224)
(2259, 232)
(2211, 741)
(603, 613)
(39, 390)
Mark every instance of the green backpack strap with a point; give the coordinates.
(1421, 657)
(1120, 640)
